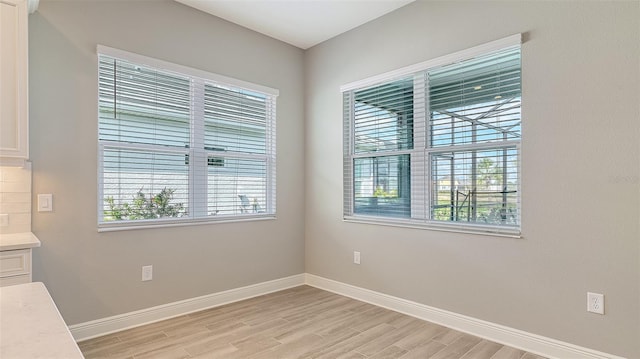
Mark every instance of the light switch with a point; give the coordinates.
(45, 202)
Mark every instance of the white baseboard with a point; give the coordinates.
(533, 343)
(99, 327)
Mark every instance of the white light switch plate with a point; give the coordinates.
(45, 202)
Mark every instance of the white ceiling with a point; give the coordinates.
(302, 23)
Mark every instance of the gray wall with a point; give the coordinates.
(94, 275)
(581, 167)
(580, 171)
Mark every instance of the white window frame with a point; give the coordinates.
(422, 152)
(197, 178)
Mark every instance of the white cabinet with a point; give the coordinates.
(15, 257)
(15, 267)
(14, 106)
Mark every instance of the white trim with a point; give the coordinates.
(100, 327)
(152, 62)
(456, 227)
(113, 226)
(13, 162)
(513, 40)
(533, 343)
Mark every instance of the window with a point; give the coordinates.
(178, 145)
(382, 139)
(438, 144)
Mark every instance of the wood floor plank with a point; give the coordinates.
(391, 352)
(383, 317)
(330, 342)
(163, 353)
(220, 352)
(98, 342)
(296, 330)
(301, 322)
(447, 337)
(123, 348)
(293, 349)
(172, 343)
(508, 353)
(531, 356)
(234, 335)
(379, 345)
(421, 336)
(352, 355)
(483, 350)
(253, 347)
(458, 348)
(355, 342)
(424, 350)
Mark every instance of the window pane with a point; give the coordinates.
(382, 186)
(383, 117)
(138, 104)
(235, 120)
(236, 186)
(476, 186)
(476, 101)
(144, 185)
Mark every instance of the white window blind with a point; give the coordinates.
(438, 147)
(475, 133)
(176, 146)
(382, 118)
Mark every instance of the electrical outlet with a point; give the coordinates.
(147, 273)
(595, 303)
(356, 257)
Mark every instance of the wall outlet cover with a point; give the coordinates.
(147, 273)
(595, 303)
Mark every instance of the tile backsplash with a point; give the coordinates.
(15, 198)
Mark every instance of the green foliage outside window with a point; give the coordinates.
(143, 207)
(381, 193)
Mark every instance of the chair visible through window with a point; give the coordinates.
(244, 203)
(247, 206)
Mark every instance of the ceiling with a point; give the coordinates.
(301, 23)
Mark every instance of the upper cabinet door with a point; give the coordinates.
(14, 117)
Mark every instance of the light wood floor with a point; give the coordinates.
(302, 322)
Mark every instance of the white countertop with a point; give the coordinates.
(31, 326)
(18, 241)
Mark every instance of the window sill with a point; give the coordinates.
(150, 224)
(485, 230)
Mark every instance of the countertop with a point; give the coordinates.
(31, 326)
(18, 241)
